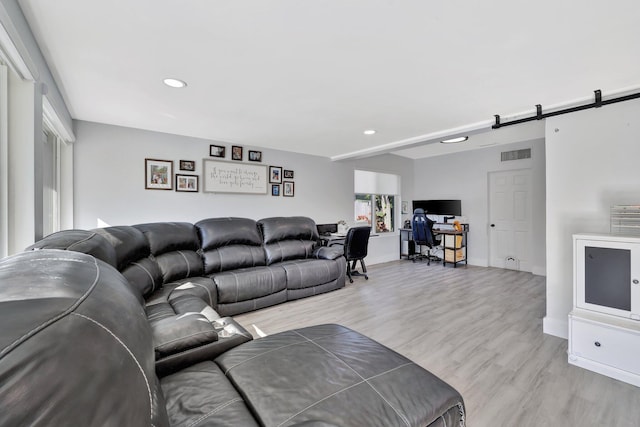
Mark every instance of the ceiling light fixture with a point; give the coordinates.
(369, 132)
(174, 83)
(454, 140)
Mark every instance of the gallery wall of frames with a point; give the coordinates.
(223, 171)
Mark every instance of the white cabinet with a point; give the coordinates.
(604, 326)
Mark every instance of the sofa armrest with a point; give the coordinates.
(182, 332)
(327, 252)
(229, 333)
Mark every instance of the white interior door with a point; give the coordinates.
(510, 219)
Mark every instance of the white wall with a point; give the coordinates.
(592, 163)
(464, 176)
(109, 183)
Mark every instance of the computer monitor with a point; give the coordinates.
(439, 207)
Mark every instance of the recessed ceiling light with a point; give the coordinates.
(455, 140)
(369, 132)
(174, 83)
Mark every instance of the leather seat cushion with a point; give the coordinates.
(338, 375)
(201, 395)
(249, 283)
(307, 273)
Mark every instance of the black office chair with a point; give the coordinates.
(355, 245)
(423, 236)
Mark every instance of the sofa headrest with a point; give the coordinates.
(129, 243)
(217, 232)
(75, 345)
(86, 242)
(170, 236)
(288, 228)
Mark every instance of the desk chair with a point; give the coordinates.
(355, 245)
(423, 235)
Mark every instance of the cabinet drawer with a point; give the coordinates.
(605, 344)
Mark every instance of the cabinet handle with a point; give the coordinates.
(635, 281)
(597, 344)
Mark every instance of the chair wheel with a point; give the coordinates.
(366, 277)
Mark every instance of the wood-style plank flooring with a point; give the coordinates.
(480, 330)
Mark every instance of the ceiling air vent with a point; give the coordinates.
(525, 153)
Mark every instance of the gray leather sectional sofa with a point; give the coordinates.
(77, 348)
(129, 325)
(236, 264)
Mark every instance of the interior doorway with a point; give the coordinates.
(510, 220)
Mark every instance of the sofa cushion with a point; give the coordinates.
(86, 242)
(288, 238)
(170, 236)
(76, 345)
(338, 375)
(306, 273)
(174, 246)
(144, 275)
(249, 283)
(129, 243)
(202, 396)
(230, 243)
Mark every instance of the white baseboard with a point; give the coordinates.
(539, 271)
(556, 327)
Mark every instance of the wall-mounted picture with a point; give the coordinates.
(158, 174)
(287, 189)
(275, 174)
(255, 156)
(217, 151)
(405, 207)
(275, 189)
(287, 174)
(187, 183)
(236, 152)
(187, 165)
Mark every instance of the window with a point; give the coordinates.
(50, 184)
(375, 200)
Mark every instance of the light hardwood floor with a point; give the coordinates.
(480, 330)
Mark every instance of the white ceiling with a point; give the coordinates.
(310, 76)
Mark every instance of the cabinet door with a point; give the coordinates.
(604, 276)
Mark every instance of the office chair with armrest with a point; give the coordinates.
(423, 235)
(356, 243)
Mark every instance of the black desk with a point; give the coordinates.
(328, 239)
(454, 244)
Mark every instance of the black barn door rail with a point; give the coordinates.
(540, 115)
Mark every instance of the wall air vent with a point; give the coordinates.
(525, 153)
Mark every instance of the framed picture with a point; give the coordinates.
(287, 174)
(158, 174)
(255, 156)
(236, 152)
(187, 165)
(287, 188)
(217, 151)
(275, 174)
(187, 183)
(405, 207)
(275, 189)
